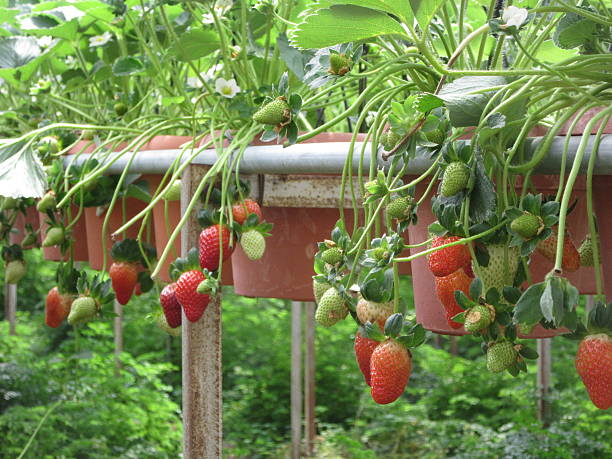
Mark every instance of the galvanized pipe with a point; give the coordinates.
(329, 158)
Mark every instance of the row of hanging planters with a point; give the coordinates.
(223, 77)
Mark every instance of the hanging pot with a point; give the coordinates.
(286, 269)
(77, 233)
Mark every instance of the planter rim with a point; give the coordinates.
(329, 158)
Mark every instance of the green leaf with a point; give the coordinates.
(50, 24)
(551, 302)
(464, 100)
(476, 289)
(427, 102)
(342, 24)
(129, 65)
(19, 58)
(512, 294)
(413, 339)
(574, 30)
(137, 191)
(394, 324)
(195, 44)
(527, 310)
(425, 10)
(482, 202)
(399, 8)
(528, 353)
(295, 59)
(21, 172)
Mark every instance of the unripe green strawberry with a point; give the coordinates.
(501, 270)
(331, 308)
(389, 140)
(318, 289)
(29, 240)
(527, 225)
(500, 356)
(120, 108)
(456, 177)
(253, 243)
(54, 236)
(332, 256)
(8, 203)
(586, 252)
(436, 136)
(174, 192)
(380, 254)
(478, 318)
(14, 271)
(273, 113)
(47, 202)
(83, 310)
(162, 323)
(399, 208)
(339, 64)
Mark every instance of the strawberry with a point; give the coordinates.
(501, 269)
(174, 192)
(120, 108)
(14, 271)
(274, 113)
(163, 324)
(446, 261)
(318, 289)
(456, 177)
(241, 210)
(253, 244)
(571, 258)
(332, 256)
(399, 208)
(47, 202)
(479, 317)
(138, 289)
(594, 365)
(389, 140)
(54, 236)
(124, 277)
(436, 136)
(527, 225)
(390, 368)
(213, 240)
(370, 311)
(500, 356)
(586, 252)
(445, 289)
(194, 304)
(83, 309)
(57, 307)
(364, 347)
(170, 305)
(339, 64)
(331, 308)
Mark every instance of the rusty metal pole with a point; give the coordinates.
(296, 379)
(309, 380)
(118, 335)
(544, 379)
(11, 307)
(201, 354)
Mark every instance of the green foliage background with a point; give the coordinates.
(452, 408)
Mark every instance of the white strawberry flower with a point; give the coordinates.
(514, 16)
(227, 88)
(100, 40)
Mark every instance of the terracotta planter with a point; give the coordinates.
(78, 234)
(30, 217)
(286, 269)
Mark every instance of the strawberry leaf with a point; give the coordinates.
(528, 353)
(527, 310)
(394, 324)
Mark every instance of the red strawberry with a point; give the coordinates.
(241, 210)
(210, 248)
(363, 351)
(170, 305)
(446, 261)
(57, 307)
(194, 304)
(137, 290)
(445, 289)
(124, 277)
(390, 367)
(594, 365)
(571, 257)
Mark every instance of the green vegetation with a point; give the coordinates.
(453, 407)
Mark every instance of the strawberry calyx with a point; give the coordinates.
(67, 278)
(183, 264)
(12, 252)
(133, 251)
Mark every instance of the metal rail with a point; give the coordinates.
(329, 158)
